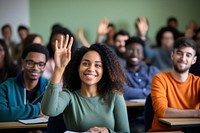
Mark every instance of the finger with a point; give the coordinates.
(56, 45)
(66, 41)
(61, 42)
(70, 44)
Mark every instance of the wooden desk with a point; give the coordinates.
(180, 122)
(18, 125)
(134, 104)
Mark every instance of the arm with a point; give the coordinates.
(10, 111)
(142, 27)
(120, 114)
(171, 112)
(82, 37)
(135, 93)
(102, 30)
(54, 101)
(160, 102)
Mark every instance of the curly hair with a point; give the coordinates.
(113, 74)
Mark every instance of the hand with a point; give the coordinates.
(41, 114)
(103, 27)
(99, 130)
(142, 25)
(62, 54)
(80, 32)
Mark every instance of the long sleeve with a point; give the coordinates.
(139, 83)
(13, 109)
(54, 101)
(135, 93)
(120, 115)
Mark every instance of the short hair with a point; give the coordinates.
(171, 19)
(35, 47)
(5, 26)
(161, 32)
(134, 39)
(185, 42)
(22, 27)
(120, 32)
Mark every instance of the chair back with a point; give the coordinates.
(148, 113)
(56, 124)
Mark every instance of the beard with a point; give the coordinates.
(177, 69)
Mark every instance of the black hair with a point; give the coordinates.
(113, 75)
(22, 27)
(29, 40)
(35, 47)
(160, 33)
(120, 32)
(5, 26)
(185, 42)
(64, 32)
(134, 39)
(170, 19)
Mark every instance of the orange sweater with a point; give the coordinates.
(167, 92)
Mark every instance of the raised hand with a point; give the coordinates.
(62, 56)
(103, 27)
(142, 25)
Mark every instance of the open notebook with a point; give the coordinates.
(137, 100)
(34, 121)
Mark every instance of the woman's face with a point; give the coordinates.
(167, 39)
(38, 39)
(2, 54)
(91, 68)
(57, 37)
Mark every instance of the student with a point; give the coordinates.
(6, 32)
(176, 93)
(7, 67)
(139, 76)
(92, 100)
(56, 34)
(119, 46)
(18, 95)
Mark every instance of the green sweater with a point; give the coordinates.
(81, 113)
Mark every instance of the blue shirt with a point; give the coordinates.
(139, 83)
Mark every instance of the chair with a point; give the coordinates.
(148, 113)
(56, 124)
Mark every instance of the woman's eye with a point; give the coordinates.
(98, 65)
(85, 63)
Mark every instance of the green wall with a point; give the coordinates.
(88, 13)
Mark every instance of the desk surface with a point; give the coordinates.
(134, 104)
(180, 122)
(18, 125)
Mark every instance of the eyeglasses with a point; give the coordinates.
(134, 51)
(31, 64)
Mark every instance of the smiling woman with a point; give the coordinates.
(92, 96)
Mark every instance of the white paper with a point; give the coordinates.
(137, 100)
(75, 132)
(34, 121)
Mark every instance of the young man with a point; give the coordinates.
(176, 93)
(6, 32)
(139, 76)
(20, 96)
